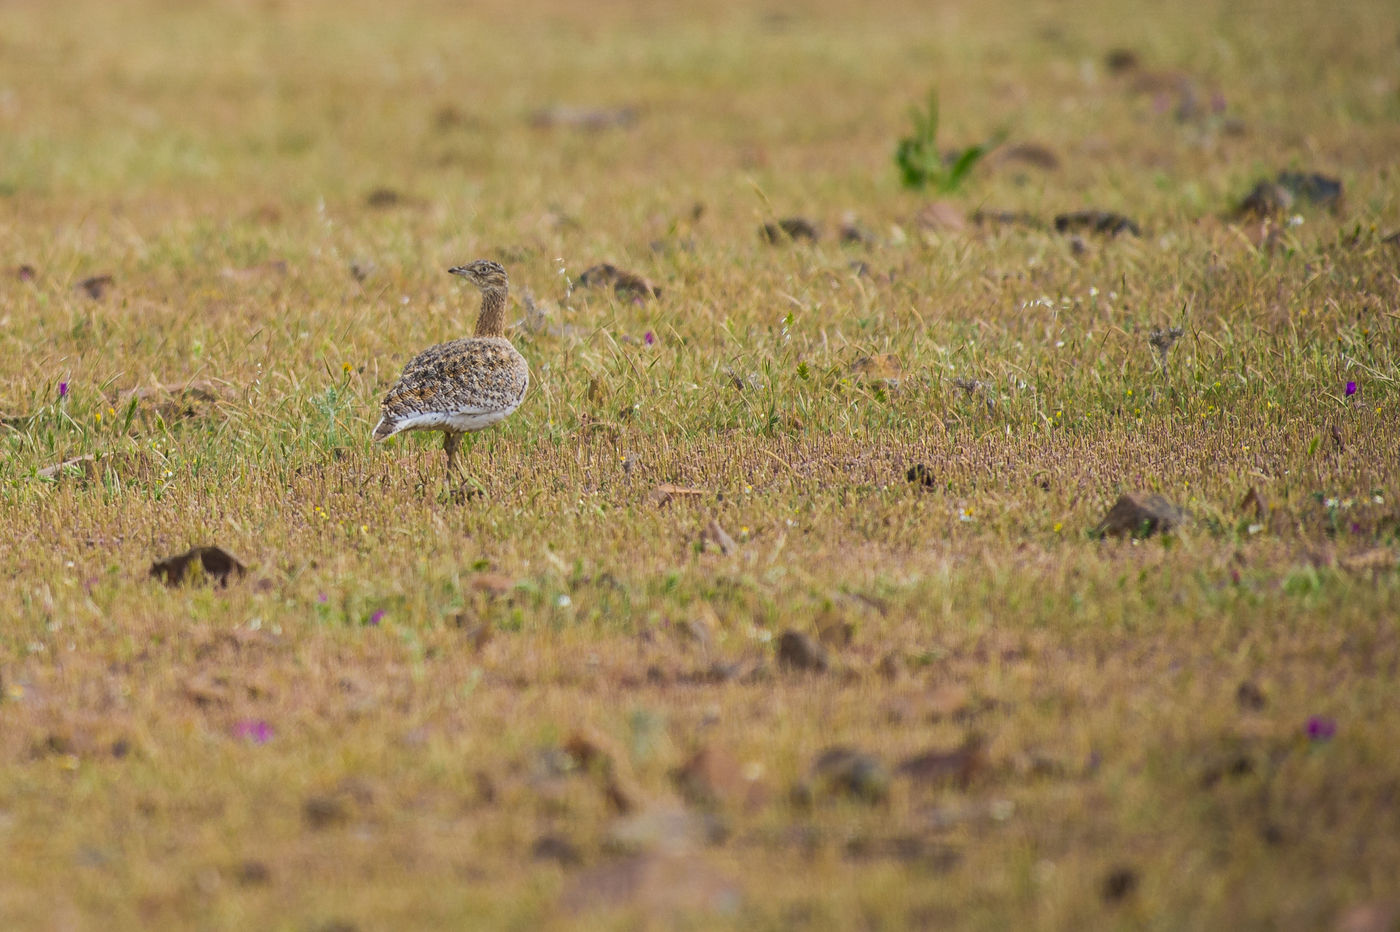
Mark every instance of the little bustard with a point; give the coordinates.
(462, 385)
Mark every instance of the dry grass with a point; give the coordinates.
(380, 722)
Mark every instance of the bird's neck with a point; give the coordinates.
(491, 321)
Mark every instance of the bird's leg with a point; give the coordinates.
(451, 440)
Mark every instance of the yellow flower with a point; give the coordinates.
(345, 367)
(1059, 526)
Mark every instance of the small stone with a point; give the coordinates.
(1140, 515)
(836, 632)
(882, 368)
(477, 631)
(1006, 218)
(1249, 696)
(1313, 188)
(798, 651)
(84, 465)
(711, 777)
(921, 475)
(719, 537)
(1028, 153)
(846, 771)
(321, 812)
(1096, 221)
(1266, 199)
(1120, 60)
(381, 198)
(494, 585)
(892, 666)
(941, 217)
(217, 564)
(1119, 883)
(252, 874)
(96, 286)
(852, 232)
(555, 848)
(1272, 198)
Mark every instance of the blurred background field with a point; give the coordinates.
(778, 604)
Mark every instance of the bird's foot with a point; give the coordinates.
(461, 492)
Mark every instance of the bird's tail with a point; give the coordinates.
(386, 428)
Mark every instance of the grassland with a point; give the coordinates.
(417, 711)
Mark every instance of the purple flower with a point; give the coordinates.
(377, 617)
(254, 730)
(650, 338)
(322, 598)
(1321, 728)
(1351, 389)
(63, 389)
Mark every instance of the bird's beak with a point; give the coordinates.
(458, 270)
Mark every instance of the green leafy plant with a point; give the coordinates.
(920, 162)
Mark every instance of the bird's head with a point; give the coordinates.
(483, 273)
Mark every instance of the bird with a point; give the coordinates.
(463, 385)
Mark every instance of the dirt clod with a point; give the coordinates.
(1006, 218)
(789, 230)
(1102, 222)
(382, 198)
(800, 652)
(96, 286)
(957, 766)
(1250, 697)
(252, 874)
(627, 285)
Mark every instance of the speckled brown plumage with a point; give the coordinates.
(463, 385)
